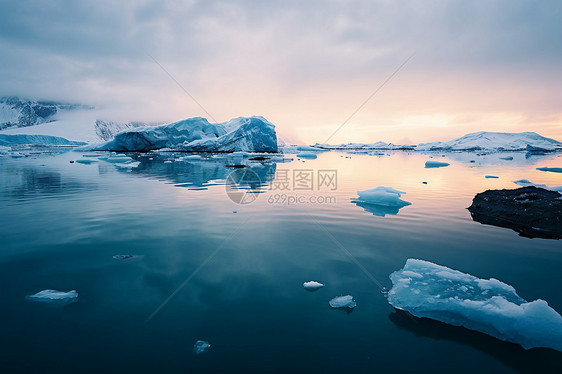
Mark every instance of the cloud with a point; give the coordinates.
(303, 65)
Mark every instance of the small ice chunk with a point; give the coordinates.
(491, 177)
(381, 195)
(53, 296)
(312, 285)
(309, 156)
(552, 170)
(86, 161)
(201, 347)
(436, 164)
(343, 302)
(123, 257)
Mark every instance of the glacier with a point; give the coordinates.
(47, 140)
(250, 134)
(54, 297)
(425, 289)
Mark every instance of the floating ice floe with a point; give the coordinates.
(552, 170)
(491, 177)
(436, 164)
(312, 285)
(124, 257)
(54, 297)
(380, 200)
(490, 306)
(343, 302)
(310, 156)
(200, 347)
(86, 161)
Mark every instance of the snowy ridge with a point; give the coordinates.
(477, 141)
(495, 141)
(16, 112)
(249, 134)
(490, 306)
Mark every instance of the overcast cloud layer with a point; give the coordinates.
(304, 65)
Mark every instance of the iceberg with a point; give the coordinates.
(312, 285)
(383, 196)
(310, 156)
(425, 289)
(201, 347)
(343, 302)
(54, 297)
(249, 134)
(435, 164)
(552, 170)
(45, 140)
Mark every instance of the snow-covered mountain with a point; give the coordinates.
(71, 121)
(478, 141)
(16, 112)
(250, 134)
(495, 141)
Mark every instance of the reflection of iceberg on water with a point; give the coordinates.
(380, 201)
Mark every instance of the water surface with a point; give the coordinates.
(240, 274)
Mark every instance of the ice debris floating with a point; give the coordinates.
(552, 170)
(249, 134)
(436, 164)
(54, 297)
(386, 196)
(123, 257)
(312, 285)
(201, 347)
(491, 177)
(425, 289)
(343, 302)
(310, 156)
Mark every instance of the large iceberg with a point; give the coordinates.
(250, 134)
(490, 306)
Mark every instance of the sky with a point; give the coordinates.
(306, 66)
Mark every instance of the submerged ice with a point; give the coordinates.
(343, 302)
(200, 347)
(54, 296)
(490, 306)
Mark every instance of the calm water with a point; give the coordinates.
(242, 272)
